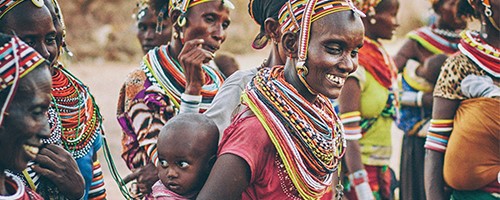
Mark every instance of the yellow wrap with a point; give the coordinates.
(472, 158)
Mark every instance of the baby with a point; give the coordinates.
(187, 150)
(418, 83)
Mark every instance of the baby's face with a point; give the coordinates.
(181, 168)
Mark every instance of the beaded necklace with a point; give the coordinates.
(484, 55)
(437, 41)
(164, 71)
(74, 117)
(308, 137)
(375, 59)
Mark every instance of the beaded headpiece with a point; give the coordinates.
(7, 5)
(141, 7)
(16, 60)
(367, 6)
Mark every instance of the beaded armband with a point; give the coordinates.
(351, 133)
(438, 134)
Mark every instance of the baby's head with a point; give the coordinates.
(187, 148)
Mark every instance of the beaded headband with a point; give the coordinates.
(141, 7)
(368, 6)
(7, 5)
(184, 5)
(16, 60)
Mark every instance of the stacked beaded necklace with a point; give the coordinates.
(485, 56)
(308, 137)
(437, 41)
(164, 71)
(74, 117)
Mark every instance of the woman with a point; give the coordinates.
(173, 78)
(463, 117)
(440, 39)
(74, 117)
(368, 106)
(261, 159)
(266, 14)
(24, 99)
(148, 34)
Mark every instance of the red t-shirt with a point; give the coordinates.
(247, 139)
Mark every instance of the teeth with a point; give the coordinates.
(335, 79)
(32, 150)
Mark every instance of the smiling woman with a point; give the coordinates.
(24, 100)
(173, 78)
(288, 141)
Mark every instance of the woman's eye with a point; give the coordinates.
(183, 164)
(334, 50)
(50, 40)
(30, 43)
(209, 18)
(142, 27)
(354, 53)
(225, 25)
(38, 111)
(163, 163)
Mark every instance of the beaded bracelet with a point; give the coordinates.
(438, 135)
(351, 132)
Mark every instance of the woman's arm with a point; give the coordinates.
(349, 102)
(405, 53)
(433, 174)
(228, 179)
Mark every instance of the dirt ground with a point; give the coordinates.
(105, 79)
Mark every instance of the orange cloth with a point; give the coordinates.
(472, 159)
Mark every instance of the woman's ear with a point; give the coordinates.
(174, 17)
(272, 28)
(289, 43)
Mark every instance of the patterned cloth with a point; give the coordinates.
(453, 72)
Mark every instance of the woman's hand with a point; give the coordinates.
(57, 165)
(191, 58)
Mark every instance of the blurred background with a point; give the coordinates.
(105, 29)
(102, 36)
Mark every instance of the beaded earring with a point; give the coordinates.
(373, 21)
